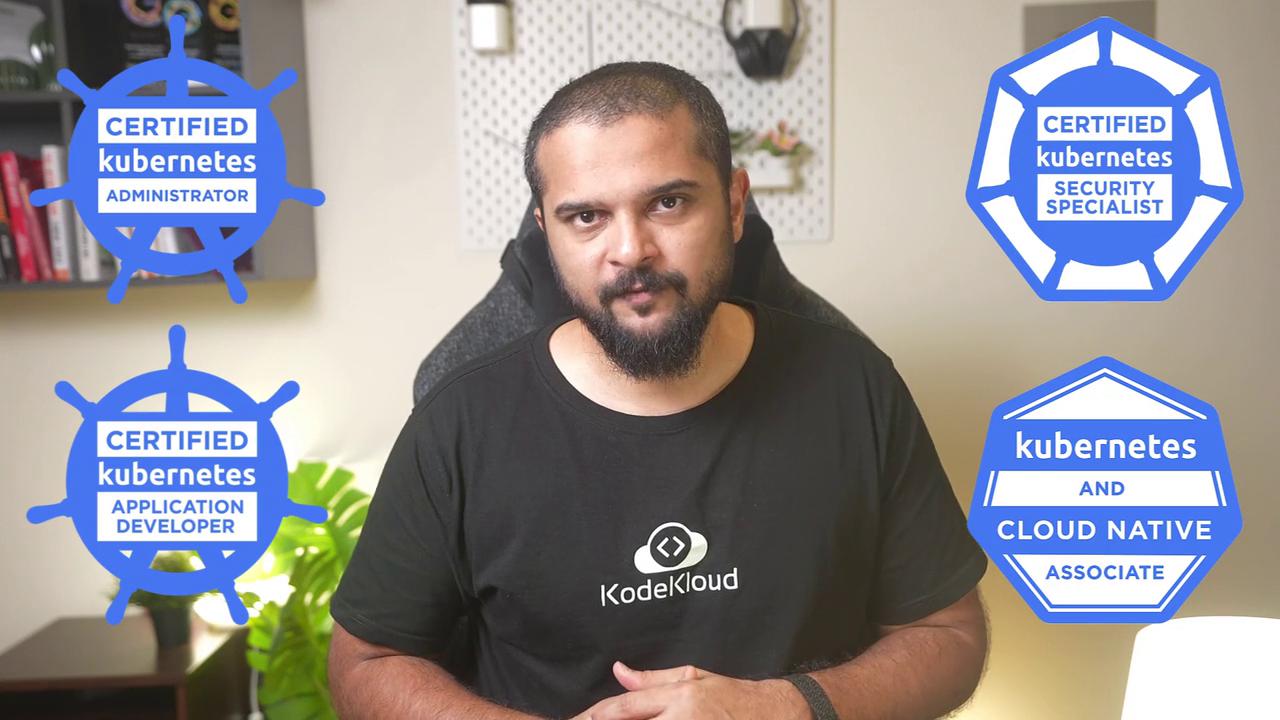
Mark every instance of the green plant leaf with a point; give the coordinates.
(257, 659)
(289, 642)
(301, 708)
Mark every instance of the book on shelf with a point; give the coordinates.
(37, 220)
(37, 244)
(53, 158)
(67, 231)
(166, 241)
(12, 179)
(174, 240)
(93, 260)
(8, 253)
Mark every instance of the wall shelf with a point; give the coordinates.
(162, 281)
(34, 97)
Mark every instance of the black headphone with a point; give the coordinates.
(762, 53)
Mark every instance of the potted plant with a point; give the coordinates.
(289, 638)
(768, 157)
(170, 614)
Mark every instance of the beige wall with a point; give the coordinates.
(909, 262)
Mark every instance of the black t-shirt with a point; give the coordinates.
(770, 529)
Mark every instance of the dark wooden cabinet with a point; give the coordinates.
(84, 668)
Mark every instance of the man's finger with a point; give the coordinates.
(632, 679)
(641, 705)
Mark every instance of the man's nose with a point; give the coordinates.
(631, 242)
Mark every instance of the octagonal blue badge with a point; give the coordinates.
(1104, 165)
(1104, 495)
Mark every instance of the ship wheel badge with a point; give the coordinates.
(213, 481)
(157, 175)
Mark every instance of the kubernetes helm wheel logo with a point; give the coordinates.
(124, 520)
(149, 162)
(671, 546)
(1104, 165)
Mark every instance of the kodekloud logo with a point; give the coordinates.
(672, 548)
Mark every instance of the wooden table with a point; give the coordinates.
(82, 668)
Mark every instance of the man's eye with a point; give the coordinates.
(670, 202)
(586, 217)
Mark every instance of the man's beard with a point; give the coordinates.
(671, 351)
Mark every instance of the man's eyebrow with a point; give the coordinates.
(678, 184)
(572, 207)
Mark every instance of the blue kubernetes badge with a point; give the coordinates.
(1104, 165)
(1104, 495)
(209, 162)
(144, 481)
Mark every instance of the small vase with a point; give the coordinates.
(172, 625)
(770, 172)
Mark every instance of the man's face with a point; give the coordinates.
(641, 236)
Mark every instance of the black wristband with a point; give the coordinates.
(819, 704)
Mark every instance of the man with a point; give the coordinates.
(526, 296)
(671, 504)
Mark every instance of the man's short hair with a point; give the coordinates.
(618, 90)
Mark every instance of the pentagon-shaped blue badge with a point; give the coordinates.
(1104, 495)
(213, 481)
(1104, 165)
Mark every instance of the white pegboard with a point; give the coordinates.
(558, 40)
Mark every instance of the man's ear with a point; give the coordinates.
(739, 185)
(537, 215)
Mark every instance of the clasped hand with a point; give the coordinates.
(689, 693)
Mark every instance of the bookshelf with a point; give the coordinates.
(271, 39)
